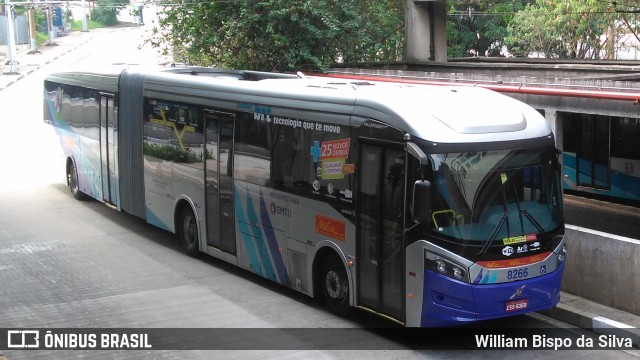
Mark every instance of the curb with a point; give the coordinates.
(32, 69)
(593, 322)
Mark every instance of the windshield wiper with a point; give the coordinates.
(494, 234)
(533, 221)
(527, 215)
(520, 210)
(504, 218)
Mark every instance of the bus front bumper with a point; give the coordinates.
(448, 302)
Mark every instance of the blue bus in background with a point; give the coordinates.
(601, 156)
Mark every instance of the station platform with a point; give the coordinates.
(600, 319)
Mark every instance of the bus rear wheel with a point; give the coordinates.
(72, 181)
(334, 285)
(187, 231)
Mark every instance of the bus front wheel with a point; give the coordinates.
(335, 285)
(187, 231)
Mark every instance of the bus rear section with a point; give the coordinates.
(82, 108)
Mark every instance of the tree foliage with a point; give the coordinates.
(573, 29)
(576, 29)
(106, 11)
(288, 34)
(477, 28)
(280, 34)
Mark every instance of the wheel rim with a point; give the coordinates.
(335, 286)
(190, 230)
(73, 183)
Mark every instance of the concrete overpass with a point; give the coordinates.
(426, 30)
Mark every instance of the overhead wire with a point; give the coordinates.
(615, 4)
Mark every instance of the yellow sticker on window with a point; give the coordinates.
(503, 177)
(514, 240)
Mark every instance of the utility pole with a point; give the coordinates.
(50, 25)
(612, 44)
(11, 40)
(32, 31)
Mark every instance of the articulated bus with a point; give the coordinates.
(428, 205)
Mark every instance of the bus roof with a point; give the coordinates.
(440, 114)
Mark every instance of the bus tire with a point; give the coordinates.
(334, 285)
(187, 231)
(72, 181)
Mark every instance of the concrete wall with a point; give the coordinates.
(603, 268)
(21, 30)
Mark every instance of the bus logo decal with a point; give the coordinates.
(348, 194)
(507, 251)
(272, 244)
(279, 210)
(330, 227)
(315, 151)
(518, 292)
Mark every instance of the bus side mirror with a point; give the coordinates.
(421, 202)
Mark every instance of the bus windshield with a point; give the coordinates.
(499, 194)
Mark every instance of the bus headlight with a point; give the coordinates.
(444, 266)
(562, 255)
(458, 273)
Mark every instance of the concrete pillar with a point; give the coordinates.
(426, 30)
(84, 16)
(11, 39)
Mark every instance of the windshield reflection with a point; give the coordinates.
(498, 194)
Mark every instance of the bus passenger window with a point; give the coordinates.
(252, 160)
(283, 155)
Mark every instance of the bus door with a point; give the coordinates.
(380, 231)
(592, 155)
(220, 222)
(108, 128)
